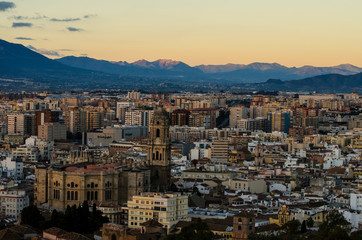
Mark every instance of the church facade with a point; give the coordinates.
(109, 183)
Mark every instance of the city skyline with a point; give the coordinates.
(323, 33)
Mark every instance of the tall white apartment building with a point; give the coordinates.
(12, 202)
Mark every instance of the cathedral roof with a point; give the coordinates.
(160, 115)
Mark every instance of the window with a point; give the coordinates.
(158, 132)
(239, 227)
(68, 195)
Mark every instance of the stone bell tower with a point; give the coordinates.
(159, 150)
(259, 155)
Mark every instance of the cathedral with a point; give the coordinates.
(109, 183)
(159, 151)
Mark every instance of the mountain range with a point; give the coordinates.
(232, 73)
(23, 69)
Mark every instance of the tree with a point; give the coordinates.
(310, 222)
(195, 190)
(335, 224)
(303, 228)
(31, 216)
(194, 231)
(356, 235)
(291, 227)
(54, 220)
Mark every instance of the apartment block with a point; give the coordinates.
(167, 208)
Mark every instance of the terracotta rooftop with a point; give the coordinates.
(72, 236)
(7, 234)
(151, 223)
(54, 231)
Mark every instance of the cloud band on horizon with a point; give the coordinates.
(6, 5)
(22, 24)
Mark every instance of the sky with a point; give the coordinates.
(289, 32)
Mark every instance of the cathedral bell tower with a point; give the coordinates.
(159, 150)
(259, 155)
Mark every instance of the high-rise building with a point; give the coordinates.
(95, 120)
(203, 117)
(52, 131)
(220, 151)
(76, 120)
(180, 117)
(121, 110)
(237, 113)
(45, 116)
(134, 95)
(278, 121)
(21, 124)
(250, 124)
(138, 117)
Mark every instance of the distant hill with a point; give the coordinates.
(162, 68)
(19, 62)
(322, 83)
(24, 69)
(259, 72)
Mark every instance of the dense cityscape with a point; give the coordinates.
(180, 120)
(166, 165)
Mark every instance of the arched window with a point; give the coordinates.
(114, 237)
(68, 195)
(76, 195)
(88, 196)
(158, 132)
(157, 155)
(92, 185)
(92, 195)
(96, 195)
(160, 156)
(239, 227)
(72, 185)
(72, 195)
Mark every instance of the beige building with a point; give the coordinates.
(102, 183)
(76, 120)
(220, 151)
(250, 185)
(237, 113)
(21, 124)
(52, 131)
(166, 208)
(95, 120)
